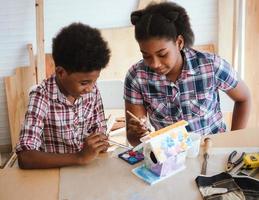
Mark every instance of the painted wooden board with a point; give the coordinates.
(17, 93)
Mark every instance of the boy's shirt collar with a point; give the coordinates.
(57, 95)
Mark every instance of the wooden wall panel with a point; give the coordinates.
(226, 29)
(124, 49)
(252, 57)
(17, 89)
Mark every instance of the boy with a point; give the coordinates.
(65, 124)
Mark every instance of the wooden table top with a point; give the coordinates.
(44, 184)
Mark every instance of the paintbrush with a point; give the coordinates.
(110, 122)
(136, 118)
(119, 144)
(207, 146)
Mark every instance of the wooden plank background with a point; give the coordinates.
(17, 90)
(251, 69)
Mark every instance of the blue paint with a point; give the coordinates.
(145, 174)
(132, 159)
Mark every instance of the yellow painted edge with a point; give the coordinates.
(163, 130)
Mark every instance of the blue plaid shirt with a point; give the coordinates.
(193, 97)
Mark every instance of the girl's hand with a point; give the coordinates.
(138, 127)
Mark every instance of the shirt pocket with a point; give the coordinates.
(68, 133)
(200, 105)
(157, 108)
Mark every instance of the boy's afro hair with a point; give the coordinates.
(80, 48)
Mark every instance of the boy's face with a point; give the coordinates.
(162, 55)
(77, 83)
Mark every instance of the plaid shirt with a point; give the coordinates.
(53, 124)
(193, 97)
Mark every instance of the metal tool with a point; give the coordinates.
(252, 172)
(207, 146)
(232, 164)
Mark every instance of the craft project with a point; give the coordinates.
(164, 153)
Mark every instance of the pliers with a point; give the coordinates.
(232, 164)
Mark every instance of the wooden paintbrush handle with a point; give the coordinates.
(207, 145)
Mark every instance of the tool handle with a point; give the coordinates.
(207, 145)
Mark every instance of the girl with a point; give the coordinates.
(174, 82)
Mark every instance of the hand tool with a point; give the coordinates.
(207, 146)
(232, 164)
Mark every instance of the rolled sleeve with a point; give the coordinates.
(225, 75)
(32, 129)
(132, 93)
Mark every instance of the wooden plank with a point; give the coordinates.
(205, 48)
(17, 90)
(31, 55)
(251, 50)
(32, 60)
(226, 29)
(11, 161)
(124, 49)
(41, 73)
(50, 65)
(29, 184)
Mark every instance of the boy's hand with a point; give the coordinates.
(94, 144)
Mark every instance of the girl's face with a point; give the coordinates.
(162, 55)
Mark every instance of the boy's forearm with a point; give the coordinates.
(41, 160)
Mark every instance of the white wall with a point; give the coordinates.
(17, 29)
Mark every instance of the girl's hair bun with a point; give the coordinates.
(135, 17)
(171, 16)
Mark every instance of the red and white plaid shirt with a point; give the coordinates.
(53, 124)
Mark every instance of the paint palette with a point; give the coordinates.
(132, 157)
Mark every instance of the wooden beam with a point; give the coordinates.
(41, 73)
(226, 29)
(11, 161)
(251, 58)
(32, 61)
